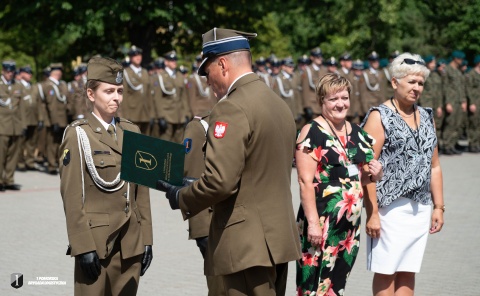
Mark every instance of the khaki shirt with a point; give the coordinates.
(137, 100)
(55, 103)
(12, 115)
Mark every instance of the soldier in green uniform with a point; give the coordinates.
(137, 104)
(30, 109)
(454, 104)
(12, 125)
(473, 94)
(109, 223)
(284, 87)
(432, 95)
(312, 73)
(55, 109)
(373, 90)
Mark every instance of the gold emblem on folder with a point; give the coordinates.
(145, 160)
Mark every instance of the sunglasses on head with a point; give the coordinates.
(412, 62)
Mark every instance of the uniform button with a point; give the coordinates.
(98, 129)
(125, 194)
(101, 162)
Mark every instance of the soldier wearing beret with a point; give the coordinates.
(28, 142)
(473, 94)
(455, 104)
(54, 109)
(253, 234)
(12, 125)
(312, 73)
(109, 221)
(137, 105)
(373, 91)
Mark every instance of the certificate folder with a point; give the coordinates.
(145, 160)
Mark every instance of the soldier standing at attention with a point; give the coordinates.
(55, 109)
(455, 103)
(432, 96)
(355, 113)
(175, 110)
(345, 64)
(137, 105)
(76, 87)
(262, 72)
(253, 234)
(30, 109)
(373, 91)
(473, 94)
(109, 221)
(284, 87)
(312, 74)
(12, 125)
(201, 97)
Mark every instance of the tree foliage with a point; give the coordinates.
(43, 31)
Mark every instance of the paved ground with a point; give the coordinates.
(33, 242)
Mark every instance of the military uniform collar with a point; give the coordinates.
(286, 75)
(235, 81)
(5, 81)
(373, 71)
(315, 67)
(105, 124)
(25, 83)
(102, 134)
(54, 80)
(170, 72)
(136, 69)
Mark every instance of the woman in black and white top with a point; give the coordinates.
(399, 206)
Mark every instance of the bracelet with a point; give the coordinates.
(440, 207)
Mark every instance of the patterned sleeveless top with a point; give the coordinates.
(406, 157)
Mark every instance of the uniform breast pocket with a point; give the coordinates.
(106, 166)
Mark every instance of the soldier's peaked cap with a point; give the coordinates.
(9, 65)
(220, 41)
(105, 70)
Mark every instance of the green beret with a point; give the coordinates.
(476, 60)
(429, 58)
(458, 54)
(383, 63)
(105, 70)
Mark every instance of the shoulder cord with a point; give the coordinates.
(282, 90)
(40, 91)
(367, 83)
(84, 143)
(387, 74)
(62, 99)
(203, 92)
(310, 81)
(138, 87)
(205, 125)
(162, 86)
(265, 77)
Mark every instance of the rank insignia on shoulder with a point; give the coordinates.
(66, 157)
(188, 145)
(220, 129)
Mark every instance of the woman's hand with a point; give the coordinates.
(315, 233)
(376, 170)
(437, 221)
(372, 228)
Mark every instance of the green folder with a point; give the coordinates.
(145, 160)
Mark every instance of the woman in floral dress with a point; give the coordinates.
(334, 159)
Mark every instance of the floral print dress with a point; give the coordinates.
(324, 270)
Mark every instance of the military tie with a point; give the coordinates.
(111, 131)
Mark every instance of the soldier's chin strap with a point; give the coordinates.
(84, 144)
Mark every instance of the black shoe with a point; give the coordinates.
(2, 188)
(53, 173)
(448, 151)
(21, 169)
(13, 187)
(455, 151)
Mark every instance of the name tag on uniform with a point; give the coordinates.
(352, 170)
(95, 152)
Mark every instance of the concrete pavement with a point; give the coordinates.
(34, 240)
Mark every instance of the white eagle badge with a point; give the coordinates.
(220, 129)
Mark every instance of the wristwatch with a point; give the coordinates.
(441, 207)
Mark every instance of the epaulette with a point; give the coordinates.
(202, 115)
(119, 119)
(79, 122)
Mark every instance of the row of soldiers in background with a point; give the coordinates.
(162, 99)
(34, 117)
(451, 91)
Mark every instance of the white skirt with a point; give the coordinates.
(404, 229)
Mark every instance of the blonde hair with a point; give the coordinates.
(399, 68)
(331, 83)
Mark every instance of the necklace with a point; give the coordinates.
(338, 139)
(416, 133)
